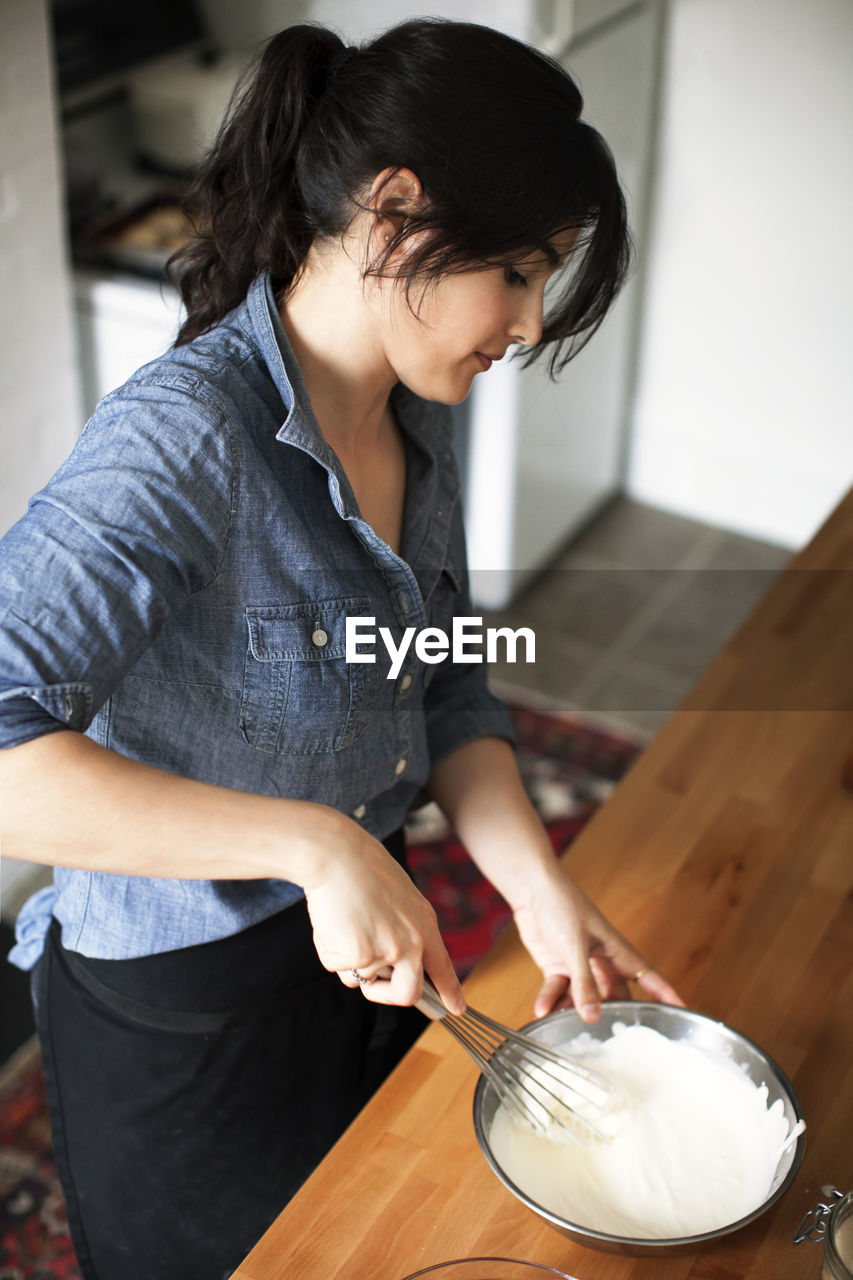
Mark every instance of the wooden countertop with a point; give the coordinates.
(726, 854)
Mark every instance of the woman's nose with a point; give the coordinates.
(526, 324)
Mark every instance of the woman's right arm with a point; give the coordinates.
(131, 526)
(66, 801)
(69, 802)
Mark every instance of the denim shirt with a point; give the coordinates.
(179, 592)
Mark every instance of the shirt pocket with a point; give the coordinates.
(300, 695)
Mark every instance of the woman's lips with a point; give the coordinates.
(485, 361)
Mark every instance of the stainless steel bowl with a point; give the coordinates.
(675, 1024)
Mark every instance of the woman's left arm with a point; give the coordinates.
(583, 958)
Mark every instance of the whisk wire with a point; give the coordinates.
(493, 1073)
(540, 1086)
(544, 1053)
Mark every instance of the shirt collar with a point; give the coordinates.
(426, 425)
(300, 427)
(424, 421)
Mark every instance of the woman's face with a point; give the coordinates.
(465, 321)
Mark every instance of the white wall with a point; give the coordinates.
(237, 26)
(39, 391)
(745, 385)
(546, 22)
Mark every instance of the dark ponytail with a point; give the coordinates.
(490, 126)
(246, 198)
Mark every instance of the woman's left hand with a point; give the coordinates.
(584, 958)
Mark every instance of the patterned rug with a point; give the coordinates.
(34, 1240)
(569, 767)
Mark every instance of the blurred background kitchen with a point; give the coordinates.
(631, 513)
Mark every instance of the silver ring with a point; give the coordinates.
(360, 978)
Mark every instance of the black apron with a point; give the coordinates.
(192, 1092)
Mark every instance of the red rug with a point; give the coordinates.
(34, 1240)
(569, 768)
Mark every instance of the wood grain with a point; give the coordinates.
(727, 855)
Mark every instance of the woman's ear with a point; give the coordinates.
(394, 195)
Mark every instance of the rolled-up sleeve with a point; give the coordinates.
(460, 707)
(133, 523)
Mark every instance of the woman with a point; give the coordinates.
(221, 792)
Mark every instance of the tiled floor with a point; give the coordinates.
(631, 613)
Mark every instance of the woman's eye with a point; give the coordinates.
(514, 276)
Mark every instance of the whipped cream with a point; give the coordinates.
(691, 1144)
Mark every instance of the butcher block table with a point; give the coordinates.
(726, 855)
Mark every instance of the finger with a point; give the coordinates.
(363, 974)
(363, 977)
(655, 985)
(401, 985)
(585, 993)
(631, 967)
(439, 967)
(610, 982)
(554, 989)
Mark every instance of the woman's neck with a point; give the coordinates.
(334, 337)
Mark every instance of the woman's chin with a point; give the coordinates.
(442, 390)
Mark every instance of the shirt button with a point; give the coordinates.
(319, 637)
(359, 812)
(399, 766)
(405, 682)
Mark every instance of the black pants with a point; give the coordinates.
(192, 1092)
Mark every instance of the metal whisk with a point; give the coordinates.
(542, 1088)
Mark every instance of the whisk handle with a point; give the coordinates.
(430, 1002)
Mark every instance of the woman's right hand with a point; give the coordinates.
(367, 915)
